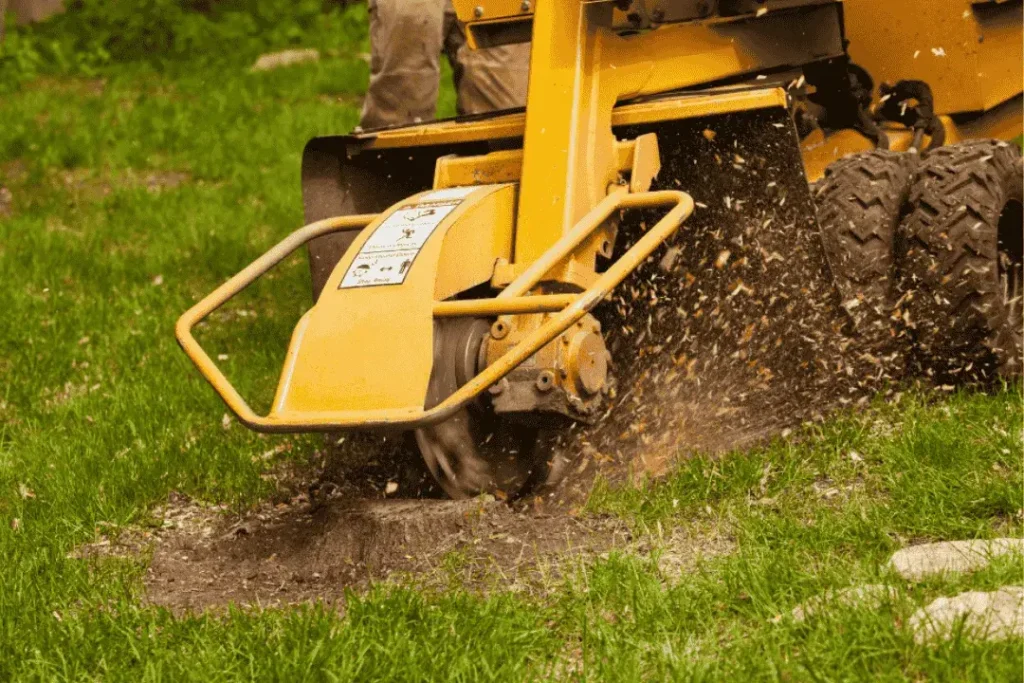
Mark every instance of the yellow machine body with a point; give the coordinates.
(532, 201)
(463, 232)
(968, 51)
(540, 250)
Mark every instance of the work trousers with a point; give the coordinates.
(407, 38)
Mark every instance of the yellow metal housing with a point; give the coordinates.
(338, 346)
(968, 51)
(538, 195)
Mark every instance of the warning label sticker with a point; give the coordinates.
(386, 257)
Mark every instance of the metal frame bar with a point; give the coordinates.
(227, 291)
(471, 308)
(568, 308)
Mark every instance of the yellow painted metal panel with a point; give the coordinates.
(490, 10)
(1000, 51)
(690, 106)
(969, 53)
(721, 101)
(369, 346)
(474, 243)
(504, 166)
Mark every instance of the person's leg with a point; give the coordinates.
(3, 11)
(405, 44)
(487, 79)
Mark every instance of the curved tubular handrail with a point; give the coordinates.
(575, 307)
(492, 308)
(228, 290)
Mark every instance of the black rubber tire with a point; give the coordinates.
(860, 202)
(963, 238)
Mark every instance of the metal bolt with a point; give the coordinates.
(499, 330)
(525, 6)
(478, 11)
(545, 381)
(496, 389)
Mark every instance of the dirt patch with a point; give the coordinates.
(365, 509)
(90, 87)
(305, 551)
(81, 184)
(87, 185)
(179, 516)
(685, 547)
(6, 201)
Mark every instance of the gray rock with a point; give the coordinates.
(989, 616)
(276, 60)
(870, 596)
(931, 559)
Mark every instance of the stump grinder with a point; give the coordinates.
(709, 212)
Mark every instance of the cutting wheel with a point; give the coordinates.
(475, 451)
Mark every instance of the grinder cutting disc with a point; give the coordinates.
(475, 451)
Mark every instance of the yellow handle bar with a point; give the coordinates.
(569, 308)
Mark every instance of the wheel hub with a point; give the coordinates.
(475, 451)
(564, 382)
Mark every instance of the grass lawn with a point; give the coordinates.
(135, 194)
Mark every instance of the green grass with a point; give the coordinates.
(101, 417)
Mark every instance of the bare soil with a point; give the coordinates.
(368, 512)
(316, 552)
(80, 185)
